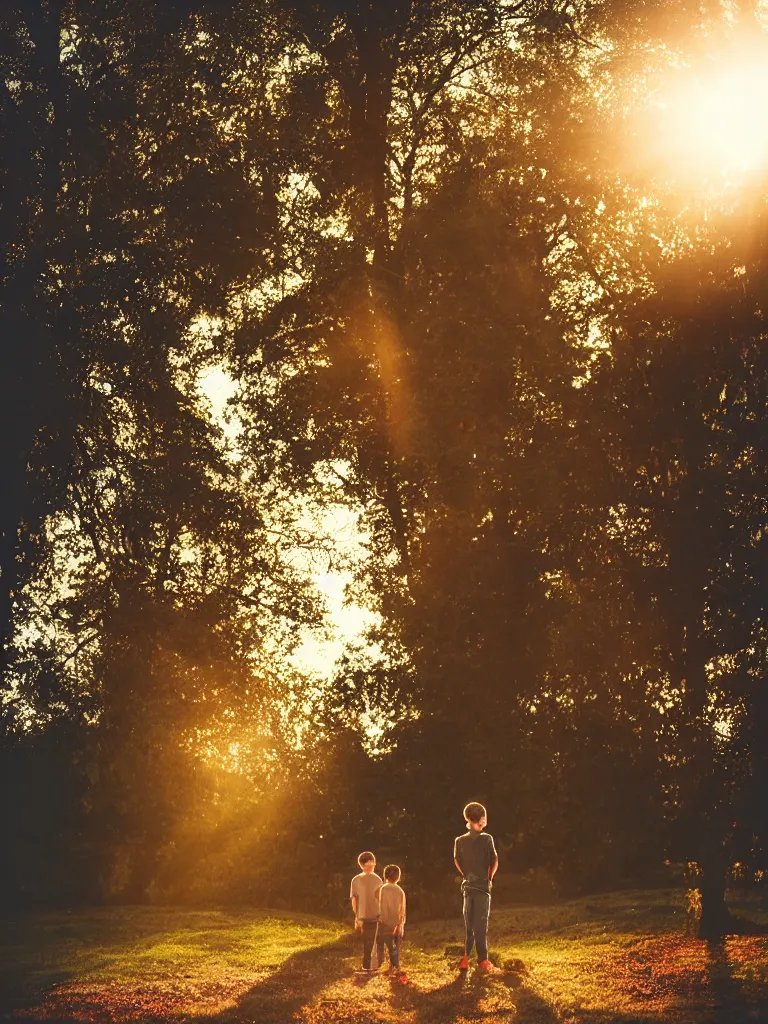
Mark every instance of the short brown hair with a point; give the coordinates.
(364, 857)
(392, 872)
(474, 812)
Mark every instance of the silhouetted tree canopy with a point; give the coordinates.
(452, 292)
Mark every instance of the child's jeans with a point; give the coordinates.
(370, 937)
(392, 942)
(477, 908)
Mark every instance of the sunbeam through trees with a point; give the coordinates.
(483, 283)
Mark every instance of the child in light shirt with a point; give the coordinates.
(364, 893)
(392, 919)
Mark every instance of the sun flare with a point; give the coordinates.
(713, 123)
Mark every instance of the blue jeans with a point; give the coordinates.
(477, 909)
(392, 942)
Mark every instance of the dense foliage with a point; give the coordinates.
(417, 240)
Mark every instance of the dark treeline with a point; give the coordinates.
(455, 291)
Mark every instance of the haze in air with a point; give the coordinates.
(384, 429)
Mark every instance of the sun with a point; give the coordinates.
(711, 122)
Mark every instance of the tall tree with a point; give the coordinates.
(154, 581)
(690, 500)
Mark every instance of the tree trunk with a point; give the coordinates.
(714, 918)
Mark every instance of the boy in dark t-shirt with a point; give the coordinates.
(475, 857)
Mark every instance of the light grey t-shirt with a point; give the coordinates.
(366, 888)
(392, 903)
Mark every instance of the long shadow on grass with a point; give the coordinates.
(276, 999)
(731, 1006)
(475, 998)
(279, 998)
(22, 979)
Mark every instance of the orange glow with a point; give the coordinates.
(709, 124)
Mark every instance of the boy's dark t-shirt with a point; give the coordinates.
(475, 852)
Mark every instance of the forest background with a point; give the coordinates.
(462, 303)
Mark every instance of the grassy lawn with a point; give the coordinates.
(616, 958)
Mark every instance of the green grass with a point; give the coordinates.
(622, 957)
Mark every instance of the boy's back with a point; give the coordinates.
(476, 858)
(392, 905)
(475, 852)
(365, 888)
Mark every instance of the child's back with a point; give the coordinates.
(475, 852)
(392, 919)
(364, 889)
(364, 893)
(392, 905)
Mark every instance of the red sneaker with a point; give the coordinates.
(464, 963)
(488, 968)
